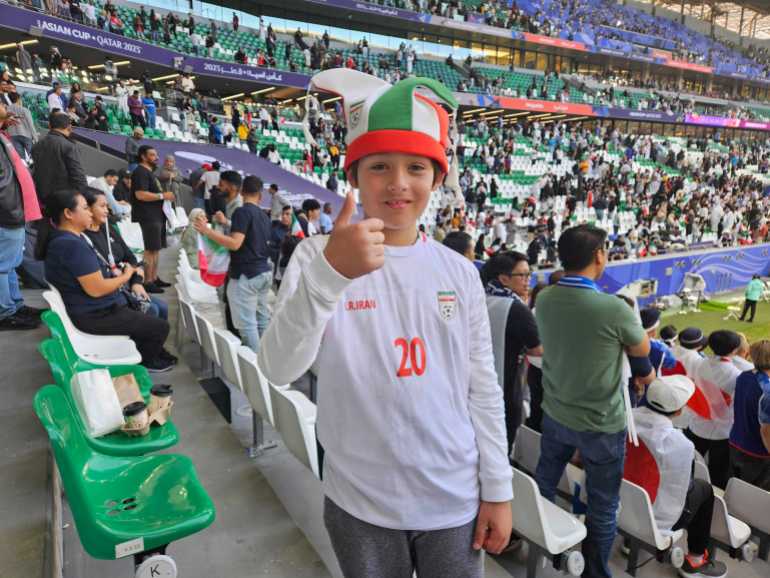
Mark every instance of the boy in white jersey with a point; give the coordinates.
(395, 325)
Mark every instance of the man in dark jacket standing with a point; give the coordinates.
(56, 166)
(16, 188)
(57, 159)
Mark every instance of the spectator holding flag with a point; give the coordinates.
(250, 273)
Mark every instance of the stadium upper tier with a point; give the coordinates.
(284, 53)
(599, 23)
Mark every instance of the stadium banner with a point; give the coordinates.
(717, 121)
(46, 26)
(508, 102)
(722, 269)
(374, 9)
(639, 115)
(684, 65)
(472, 27)
(237, 71)
(190, 156)
(39, 24)
(555, 42)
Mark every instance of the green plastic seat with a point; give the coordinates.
(116, 443)
(114, 500)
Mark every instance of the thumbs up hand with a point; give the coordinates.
(356, 249)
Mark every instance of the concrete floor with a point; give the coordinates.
(269, 509)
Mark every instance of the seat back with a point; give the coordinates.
(61, 369)
(56, 327)
(701, 471)
(528, 517)
(255, 386)
(295, 417)
(132, 235)
(54, 299)
(748, 503)
(526, 451)
(206, 333)
(189, 319)
(636, 517)
(70, 447)
(227, 347)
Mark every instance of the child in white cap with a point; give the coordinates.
(395, 326)
(663, 466)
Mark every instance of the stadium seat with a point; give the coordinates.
(549, 530)
(255, 386)
(526, 454)
(114, 506)
(637, 524)
(116, 443)
(205, 330)
(751, 504)
(728, 532)
(227, 346)
(96, 349)
(132, 235)
(295, 418)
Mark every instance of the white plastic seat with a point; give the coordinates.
(295, 418)
(132, 235)
(546, 526)
(206, 333)
(188, 317)
(637, 523)
(227, 345)
(729, 532)
(97, 349)
(255, 386)
(751, 504)
(526, 454)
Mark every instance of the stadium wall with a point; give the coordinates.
(723, 270)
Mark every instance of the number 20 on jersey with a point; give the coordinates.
(412, 356)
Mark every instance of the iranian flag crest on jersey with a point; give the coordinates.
(447, 304)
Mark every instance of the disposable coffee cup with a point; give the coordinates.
(136, 415)
(160, 398)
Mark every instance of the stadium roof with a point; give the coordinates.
(756, 14)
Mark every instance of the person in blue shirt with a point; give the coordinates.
(753, 294)
(325, 220)
(149, 109)
(660, 353)
(750, 434)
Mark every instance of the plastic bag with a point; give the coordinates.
(97, 402)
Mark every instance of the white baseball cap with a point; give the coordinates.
(670, 393)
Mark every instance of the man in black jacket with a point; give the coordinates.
(56, 166)
(13, 313)
(57, 159)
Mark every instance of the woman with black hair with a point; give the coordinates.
(91, 291)
(112, 249)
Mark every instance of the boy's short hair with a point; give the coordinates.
(760, 354)
(310, 205)
(578, 245)
(724, 342)
(252, 185)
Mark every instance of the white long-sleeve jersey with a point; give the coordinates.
(410, 414)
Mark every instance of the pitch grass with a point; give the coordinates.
(712, 320)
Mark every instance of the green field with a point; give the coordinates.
(709, 321)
